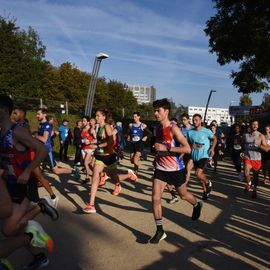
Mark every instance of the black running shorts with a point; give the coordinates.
(200, 164)
(176, 178)
(18, 192)
(137, 147)
(107, 160)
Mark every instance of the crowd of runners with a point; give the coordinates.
(99, 144)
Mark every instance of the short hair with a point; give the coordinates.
(174, 119)
(43, 110)
(162, 103)
(185, 115)
(20, 109)
(197, 115)
(49, 117)
(253, 120)
(6, 102)
(137, 113)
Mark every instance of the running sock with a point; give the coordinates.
(159, 225)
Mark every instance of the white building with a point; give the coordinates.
(221, 115)
(143, 94)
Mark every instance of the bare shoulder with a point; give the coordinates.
(144, 125)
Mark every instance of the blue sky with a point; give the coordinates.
(150, 42)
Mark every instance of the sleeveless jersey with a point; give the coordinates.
(101, 138)
(167, 161)
(136, 133)
(87, 135)
(14, 161)
(252, 149)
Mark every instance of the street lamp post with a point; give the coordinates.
(93, 83)
(206, 108)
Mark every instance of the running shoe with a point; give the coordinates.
(204, 196)
(76, 173)
(5, 264)
(197, 211)
(133, 177)
(89, 209)
(173, 200)
(160, 235)
(39, 237)
(254, 194)
(209, 187)
(103, 179)
(40, 260)
(47, 207)
(247, 187)
(117, 190)
(53, 202)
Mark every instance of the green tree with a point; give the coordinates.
(245, 100)
(239, 32)
(266, 99)
(21, 59)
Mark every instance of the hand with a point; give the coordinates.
(242, 155)
(23, 178)
(160, 147)
(61, 142)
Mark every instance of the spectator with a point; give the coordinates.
(77, 142)
(64, 135)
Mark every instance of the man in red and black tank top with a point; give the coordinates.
(169, 168)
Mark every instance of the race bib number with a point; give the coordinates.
(136, 138)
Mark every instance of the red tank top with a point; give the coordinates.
(14, 161)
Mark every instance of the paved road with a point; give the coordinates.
(232, 233)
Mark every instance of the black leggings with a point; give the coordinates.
(237, 160)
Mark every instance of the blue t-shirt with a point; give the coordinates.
(200, 143)
(185, 130)
(46, 126)
(63, 132)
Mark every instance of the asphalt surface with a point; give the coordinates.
(232, 233)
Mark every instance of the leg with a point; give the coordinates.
(157, 190)
(189, 167)
(136, 160)
(186, 195)
(5, 201)
(87, 161)
(98, 168)
(8, 246)
(201, 176)
(45, 183)
(21, 214)
(61, 150)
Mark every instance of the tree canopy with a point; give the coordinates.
(240, 32)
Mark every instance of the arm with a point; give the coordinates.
(264, 146)
(44, 137)
(22, 136)
(183, 148)
(128, 136)
(214, 143)
(146, 132)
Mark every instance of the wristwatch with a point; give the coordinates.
(169, 148)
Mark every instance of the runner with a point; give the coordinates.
(186, 126)
(77, 142)
(44, 135)
(235, 143)
(266, 157)
(169, 168)
(105, 157)
(136, 137)
(252, 141)
(19, 116)
(88, 138)
(65, 139)
(15, 145)
(199, 138)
